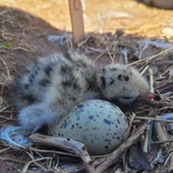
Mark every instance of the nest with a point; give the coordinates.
(148, 146)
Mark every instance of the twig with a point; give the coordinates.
(67, 144)
(144, 70)
(8, 78)
(151, 80)
(151, 58)
(147, 137)
(4, 108)
(161, 133)
(170, 169)
(53, 151)
(153, 119)
(35, 162)
(162, 142)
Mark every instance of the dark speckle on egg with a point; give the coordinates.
(61, 135)
(80, 106)
(91, 117)
(118, 121)
(106, 147)
(72, 126)
(121, 114)
(125, 120)
(107, 121)
(118, 138)
(92, 141)
(64, 125)
(95, 128)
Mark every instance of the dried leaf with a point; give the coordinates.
(137, 158)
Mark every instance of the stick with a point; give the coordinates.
(66, 144)
(76, 15)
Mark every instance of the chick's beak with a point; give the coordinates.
(152, 97)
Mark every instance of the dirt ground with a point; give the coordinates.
(101, 16)
(26, 25)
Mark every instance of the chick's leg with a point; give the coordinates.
(30, 119)
(35, 116)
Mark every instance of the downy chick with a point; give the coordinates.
(49, 89)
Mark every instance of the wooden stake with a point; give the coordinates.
(77, 23)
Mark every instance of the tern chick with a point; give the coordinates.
(50, 88)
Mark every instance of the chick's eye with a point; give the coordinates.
(126, 97)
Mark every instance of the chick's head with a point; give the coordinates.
(121, 83)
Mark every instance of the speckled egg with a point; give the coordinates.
(99, 124)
